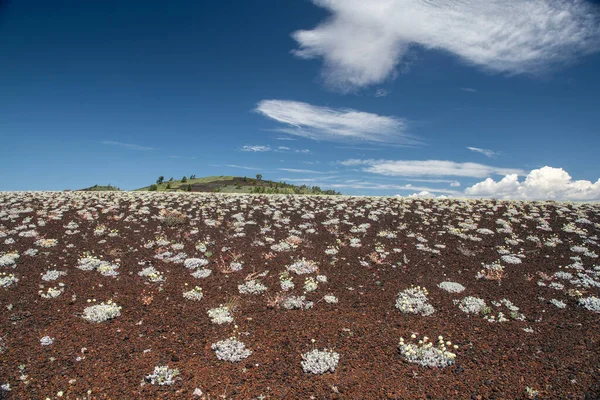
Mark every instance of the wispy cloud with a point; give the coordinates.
(306, 171)
(485, 152)
(127, 145)
(381, 93)
(467, 89)
(256, 148)
(417, 168)
(241, 167)
(334, 124)
(363, 42)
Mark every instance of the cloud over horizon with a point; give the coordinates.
(335, 124)
(546, 183)
(363, 42)
(416, 168)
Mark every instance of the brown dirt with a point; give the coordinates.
(560, 359)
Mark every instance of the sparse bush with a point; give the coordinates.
(195, 294)
(426, 354)
(320, 361)
(473, 305)
(102, 312)
(452, 287)
(172, 217)
(162, 375)
(414, 301)
(591, 303)
(220, 315)
(231, 350)
(253, 286)
(296, 303)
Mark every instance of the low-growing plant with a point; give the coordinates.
(320, 361)
(102, 312)
(426, 354)
(414, 301)
(231, 350)
(195, 294)
(162, 375)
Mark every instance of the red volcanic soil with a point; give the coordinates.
(540, 351)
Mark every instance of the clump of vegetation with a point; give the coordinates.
(473, 305)
(220, 315)
(102, 312)
(414, 301)
(426, 354)
(320, 361)
(231, 350)
(172, 217)
(162, 375)
(452, 287)
(195, 294)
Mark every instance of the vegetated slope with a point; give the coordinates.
(163, 295)
(233, 184)
(100, 188)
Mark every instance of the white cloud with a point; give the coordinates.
(424, 194)
(283, 148)
(334, 124)
(127, 145)
(256, 148)
(485, 152)
(308, 171)
(363, 42)
(545, 183)
(241, 167)
(381, 93)
(429, 168)
(467, 89)
(303, 151)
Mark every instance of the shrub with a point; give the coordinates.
(162, 375)
(296, 303)
(253, 286)
(102, 312)
(220, 315)
(473, 305)
(320, 361)
(231, 350)
(591, 303)
(195, 294)
(303, 267)
(414, 301)
(172, 217)
(452, 287)
(426, 354)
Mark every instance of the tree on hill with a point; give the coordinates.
(184, 179)
(153, 188)
(259, 177)
(189, 188)
(160, 180)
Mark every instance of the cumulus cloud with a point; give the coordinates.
(546, 183)
(334, 124)
(363, 42)
(485, 152)
(429, 168)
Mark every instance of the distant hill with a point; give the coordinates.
(100, 188)
(233, 184)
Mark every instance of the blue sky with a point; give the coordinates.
(386, 97)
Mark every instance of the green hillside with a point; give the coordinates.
(232, 184)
